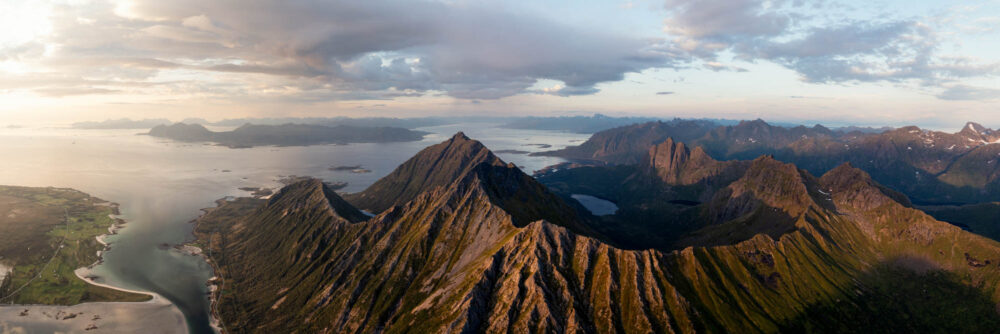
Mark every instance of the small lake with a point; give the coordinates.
(596, 206)
(162, 185)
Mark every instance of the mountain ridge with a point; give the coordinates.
(455, 259)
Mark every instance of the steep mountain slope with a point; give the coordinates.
(674, 163)
(493, 251)
(434, 166)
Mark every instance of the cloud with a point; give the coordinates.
(723, 20)
(360, 48)
(664, 93)
(718, 67)
(901, 51)
(964, 92)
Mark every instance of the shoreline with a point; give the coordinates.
(81, 273)
(118, 316)
(214, 283)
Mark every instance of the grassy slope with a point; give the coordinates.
(32, 225)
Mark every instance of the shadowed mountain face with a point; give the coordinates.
(477, 246)
(928, 166)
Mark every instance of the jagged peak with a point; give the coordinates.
(459, 137)
(438, 165)
(846, 171)
(977, 131)
(973, 126)
(756, 123)
(314, 191)
(863, 191)
(769, 160)
(773, 179)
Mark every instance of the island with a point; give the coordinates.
(46, 235)
(251, 135)
(357, 169)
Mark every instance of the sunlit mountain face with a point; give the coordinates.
(713, 166)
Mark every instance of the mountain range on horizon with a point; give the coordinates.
(931, 167)
(462, 241)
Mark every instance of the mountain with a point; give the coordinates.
(931, 167)
(495, 251)
(435, 166)
(183, 132)
(629, 144)
(749, 139)
(250, 135)
(674, 163)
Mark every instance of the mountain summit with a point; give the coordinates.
(434, 166)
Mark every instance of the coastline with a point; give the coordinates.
(215, 281)
(112, 317)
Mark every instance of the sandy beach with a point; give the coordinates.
(154, 316)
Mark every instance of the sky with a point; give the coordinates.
(929, 63)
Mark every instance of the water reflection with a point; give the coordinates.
(596, 206)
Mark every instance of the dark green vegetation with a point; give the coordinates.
(930, 167)
(46, 234)
(250, 135)
(891, 299)
(982, 218)
(471, 244)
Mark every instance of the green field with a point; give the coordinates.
(46, 234)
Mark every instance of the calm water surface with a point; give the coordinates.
(596, 206)
(162, 185)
